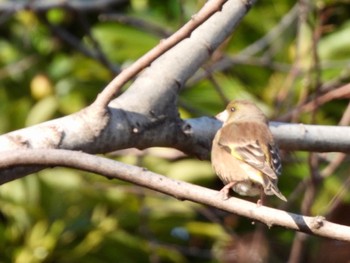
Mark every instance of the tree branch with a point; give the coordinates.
(146, 114)
(127, 130)
(116, 84)
(342, 92)
(313, 138)
(14, 6)
(181, 190)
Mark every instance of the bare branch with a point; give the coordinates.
(15, 5)
(146, 114)
(140, 24)
(95, 53)
(82, 131)
(181, 190)
(116, 84)
(249, 54)
(342, 92)
(315, 138)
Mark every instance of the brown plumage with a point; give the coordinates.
(244, 154)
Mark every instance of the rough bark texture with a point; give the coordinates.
(146, 114)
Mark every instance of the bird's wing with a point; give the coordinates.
(275, 160)
(243, 142)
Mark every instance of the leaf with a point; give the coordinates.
(42, 111)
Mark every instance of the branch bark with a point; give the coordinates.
(313, 138)
(14, 6)
(146, 114)
(181, 190)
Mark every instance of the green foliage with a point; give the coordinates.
(61, 215)
(118, 37)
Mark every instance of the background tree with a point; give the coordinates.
(56, 58)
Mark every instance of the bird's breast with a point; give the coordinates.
(247, 188)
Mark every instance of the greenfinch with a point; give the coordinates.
(244, 154)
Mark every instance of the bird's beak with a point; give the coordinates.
(222, 116)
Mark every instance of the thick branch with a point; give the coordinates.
(146, 114)
(116, 84)
(129, 130)
(178, 189)
(313, 138)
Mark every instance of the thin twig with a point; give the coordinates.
(332, 166)
(225, 100)
(246, 56)
(298, 247)
(117, 83)
(66, 36)
(73, 41)
(138, 23)
(100, 56)
(339, 157)
(338, 198)
(339, 93)
(15, 6)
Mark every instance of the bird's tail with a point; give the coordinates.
(272, 188)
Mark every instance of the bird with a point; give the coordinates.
(244, 154)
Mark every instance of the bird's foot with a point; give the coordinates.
(262, 199)
(225, 191)
(259, 203)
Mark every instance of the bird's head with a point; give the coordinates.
(241, 110)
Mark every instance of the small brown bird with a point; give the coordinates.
(244, 154)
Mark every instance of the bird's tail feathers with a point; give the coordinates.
(272, 188)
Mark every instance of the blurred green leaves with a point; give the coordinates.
(116, 38)
(62, 215)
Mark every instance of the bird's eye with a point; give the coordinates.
(232, 109)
